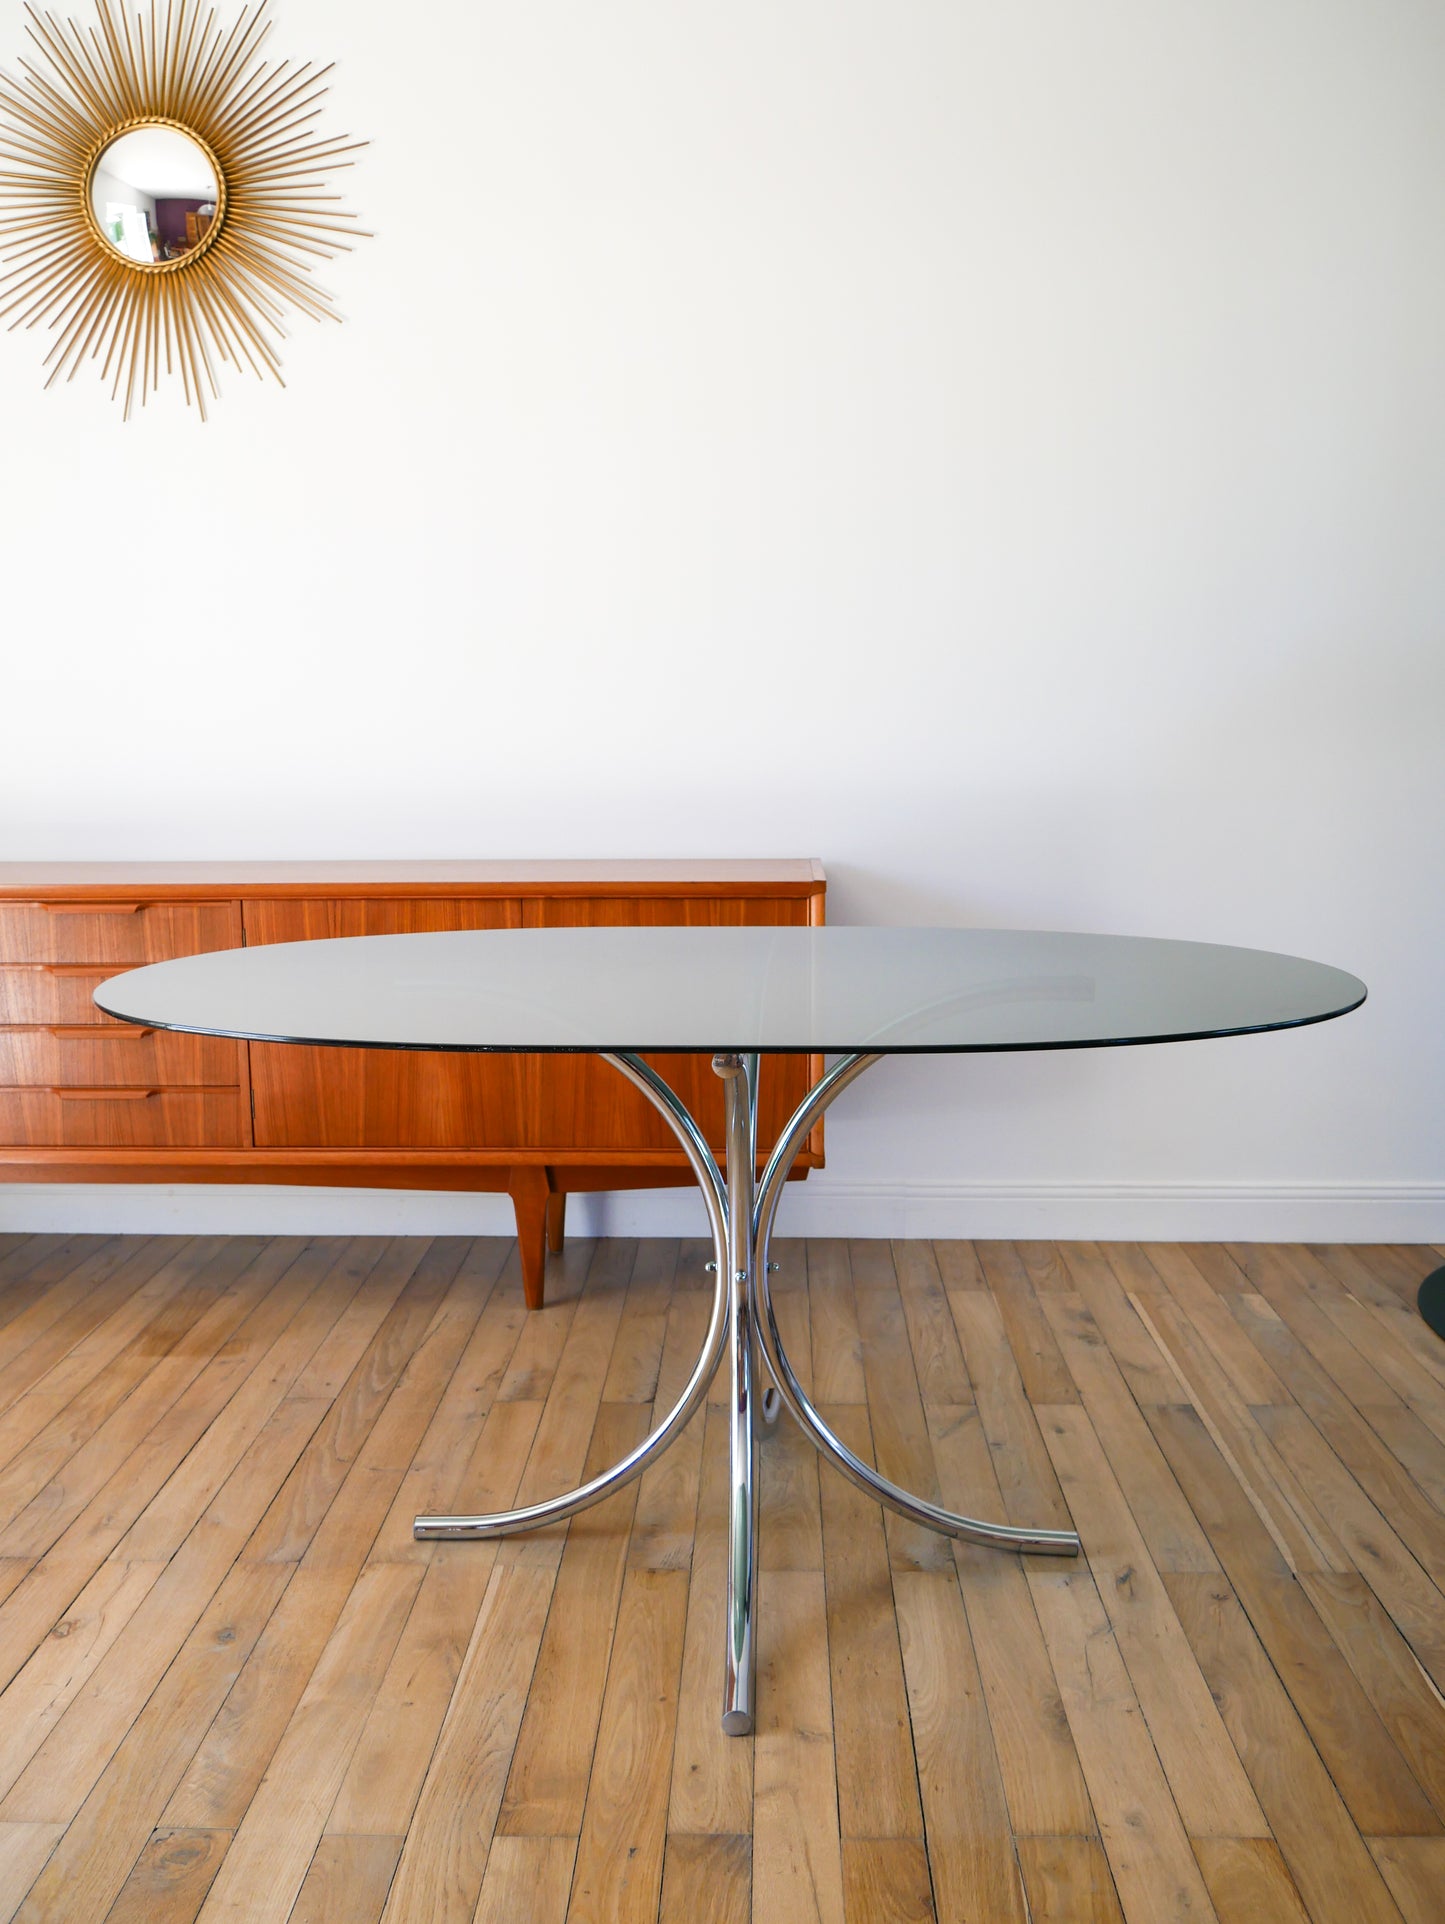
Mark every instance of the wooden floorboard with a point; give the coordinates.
(234, 1687)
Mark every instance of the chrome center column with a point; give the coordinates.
(740, 1085)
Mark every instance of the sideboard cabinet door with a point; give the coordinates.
(382, 1098)
(580, 1102)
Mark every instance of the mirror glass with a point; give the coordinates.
(154, 193)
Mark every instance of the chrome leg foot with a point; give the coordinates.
(772, 1408)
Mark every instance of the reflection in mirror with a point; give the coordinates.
(154, 194)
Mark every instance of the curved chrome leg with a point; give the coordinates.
(741, 1210)
(740, 1081)
(917, 1509)
(534, 1515)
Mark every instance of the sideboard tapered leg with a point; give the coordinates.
(556, 1221)
(530, 1198)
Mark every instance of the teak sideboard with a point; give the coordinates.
(84, 1098)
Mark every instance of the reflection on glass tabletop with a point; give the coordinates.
(656, 990)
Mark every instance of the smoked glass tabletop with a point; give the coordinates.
(655, 991)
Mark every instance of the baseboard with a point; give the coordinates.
(1130, 1212)
(246, 1209)
(822, 1206)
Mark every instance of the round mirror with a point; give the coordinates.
(156, 195)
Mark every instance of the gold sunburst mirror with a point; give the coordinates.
(163, 195)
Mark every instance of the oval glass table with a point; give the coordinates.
(738, 994)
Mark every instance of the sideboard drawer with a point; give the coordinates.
(99, 1053)
(316, 919)
(122, 934)
(142, 1117)
(46, 992)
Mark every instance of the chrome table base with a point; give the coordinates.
(741, 1206)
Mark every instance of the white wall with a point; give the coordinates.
(998, 449)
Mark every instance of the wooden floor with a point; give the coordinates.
(235, 1688)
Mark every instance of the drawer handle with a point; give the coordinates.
(92, 908)
(98, 1031)
(75, 968)
(103, 1095)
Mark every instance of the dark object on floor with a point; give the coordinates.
(1432, 1300)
